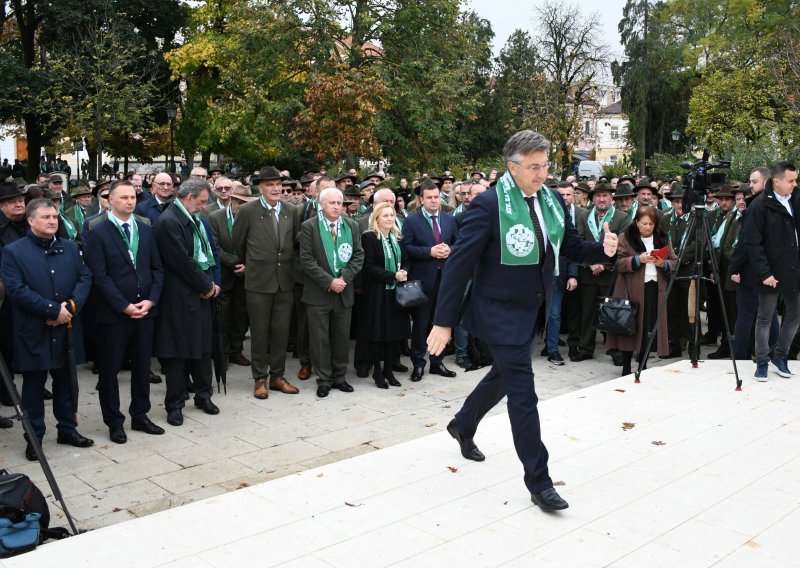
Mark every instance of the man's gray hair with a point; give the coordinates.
(328, 192)
(384, 194)
(523, 143)
(220, 179)
(193, 187)
(38, 203)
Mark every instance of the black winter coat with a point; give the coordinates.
(770, 236)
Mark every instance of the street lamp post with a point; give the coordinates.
(172, 112)
(675, 137)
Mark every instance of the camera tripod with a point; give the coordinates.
(34, 441)
(698, 228)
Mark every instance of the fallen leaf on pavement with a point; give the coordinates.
(558, 483)
(320, 474)
(452, 469)
(116, 510)
(620, 390)
(242, 485)
(628, 425)
(353, 504)
(429, 424)
(658, 443)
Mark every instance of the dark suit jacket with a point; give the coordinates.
(503, 308)
(418, 240)
(616, 225)
(318, 272)
(227, 254)
(269, 260)
(149, 208)
(115, 281)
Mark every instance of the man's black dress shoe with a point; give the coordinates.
(74, 439)
(440, 369)
(147, 426)
(398, 367)
(468, 448)
(206, 405)
(6, 422)
(720, 354)
(573, 352)
(463, 362)
(175, 417)
(549, 500)
(30, 453)
(416, 375)
(154, 379)
(581, 357)
(344, 386)
(617, 360)
(322, 391)
(672, 354)
(362, 372)
(117, 434)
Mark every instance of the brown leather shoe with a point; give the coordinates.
(283, 386)
(239, 359)
(261, 391)
(304, 373)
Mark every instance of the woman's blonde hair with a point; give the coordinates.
(376, 213)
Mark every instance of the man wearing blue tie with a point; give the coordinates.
(510, 245)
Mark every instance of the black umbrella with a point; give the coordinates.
(218, 347)
(72, 366)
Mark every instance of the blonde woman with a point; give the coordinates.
(383, 324)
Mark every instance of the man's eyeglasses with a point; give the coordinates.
(536, 168)
(224, 188)
(286, 191)
(164, 183)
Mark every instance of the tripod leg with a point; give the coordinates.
(661, 310)
(34, 441)
(726, 323)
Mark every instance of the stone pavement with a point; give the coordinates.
(251, 441)
(680, 470)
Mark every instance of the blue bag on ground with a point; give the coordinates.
(16, 538)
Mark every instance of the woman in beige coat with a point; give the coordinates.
(647, 277)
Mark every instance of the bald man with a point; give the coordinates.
(163, 190)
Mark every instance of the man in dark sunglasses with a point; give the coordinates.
(223, 189)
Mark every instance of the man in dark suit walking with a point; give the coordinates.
(183, 327)
(127, 277)
(427, 237)
(511, 249)
(331, 254)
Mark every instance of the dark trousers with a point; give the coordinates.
(590, 292)
(175, 370)
(713, 310)
(729, 297)
(130, 340)
(362, 358)
(233, 315)
(746, 310)
(301, 341)
(678, 315)
(33, 400)
(571, 314)
(422, 316)
(328, 328)
(511, 375)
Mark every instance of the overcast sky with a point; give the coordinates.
(509, 15)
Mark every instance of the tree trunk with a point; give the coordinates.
(205, 159)
(33, 134)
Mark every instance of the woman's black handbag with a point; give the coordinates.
(410, 294)
(618, 316)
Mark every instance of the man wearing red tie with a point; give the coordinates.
(428, 235)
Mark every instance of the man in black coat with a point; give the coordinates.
(128, 276)
(771, 239)
(512, 263)
(183, 328)
(153, 206)
(47, 285)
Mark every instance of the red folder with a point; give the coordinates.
(660, 253)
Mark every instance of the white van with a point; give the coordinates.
(588, 168)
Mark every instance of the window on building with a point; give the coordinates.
(587, 128)
(614, 132)
(613, 158)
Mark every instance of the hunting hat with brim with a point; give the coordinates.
(306, 179)
(51, 194)
(362, 186)
(433, 176)
(354, 190)
(343, 176)
(378, 174)
(583, 186)
(56, 178)
(623, 190)
(472, 173)
(675, 191)
(448, 176)
(243, 193)
(627, 179)
(9, 190)
(21, 183)
(727, 191)
(100, 186)
(645, 186)
(80, 189)
(742, 188)
(600, 188)
(216, 168)
(265, 174)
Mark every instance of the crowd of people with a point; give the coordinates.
(150, 266)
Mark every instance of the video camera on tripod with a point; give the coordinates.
(699, 179)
